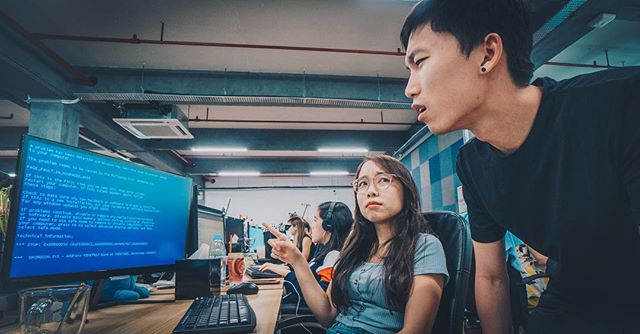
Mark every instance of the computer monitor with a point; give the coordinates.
(234, 233)
(192, 228)
(256, 237)
(78, 215)
(210, 223)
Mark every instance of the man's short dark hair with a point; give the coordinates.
(471, 20)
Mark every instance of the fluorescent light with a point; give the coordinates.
(343, 150)
(329, 173)
(231, 173)
(12, 174)
(219, 149)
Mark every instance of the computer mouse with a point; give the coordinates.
(244, 288)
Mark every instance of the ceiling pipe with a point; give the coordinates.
(182, 158)
(85, 80)
(420, 134)
(295, 122)
(161, 41)
(136, 40)
(553, 63)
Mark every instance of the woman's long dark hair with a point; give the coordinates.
(342, 221)
(362, 244)
(300, 226)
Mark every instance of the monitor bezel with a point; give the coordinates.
(10, 284)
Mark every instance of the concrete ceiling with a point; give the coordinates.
(370, 25)
(363, 24)
(620, 38)
(13, 115)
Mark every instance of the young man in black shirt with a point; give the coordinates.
(556, 163)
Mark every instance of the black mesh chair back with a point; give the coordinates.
(455, 236)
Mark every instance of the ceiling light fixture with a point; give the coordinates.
(239, 173)
(343, 150)
(219, 149)
(329, 173)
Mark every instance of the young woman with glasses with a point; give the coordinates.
(391, 272)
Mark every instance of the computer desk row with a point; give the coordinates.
(162, 318)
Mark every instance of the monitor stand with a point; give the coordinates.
(8, 309)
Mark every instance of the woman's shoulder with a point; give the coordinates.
(428, 240)
(429, 256)
(428, 246)
(331, 258)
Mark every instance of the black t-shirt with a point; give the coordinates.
(572, 189)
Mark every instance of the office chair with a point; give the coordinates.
(293, 318)
(455, 236)
(517, 294)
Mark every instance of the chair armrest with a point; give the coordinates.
(291, 309)
(530, 279)
(307, 320)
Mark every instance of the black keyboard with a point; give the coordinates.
(268, 260)
(218, 314)
(255, 272)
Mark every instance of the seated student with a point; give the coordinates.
(301, 233)
(391, 272)
(330, 227)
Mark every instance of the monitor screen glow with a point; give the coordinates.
(80, 212)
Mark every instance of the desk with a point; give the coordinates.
(163, 318)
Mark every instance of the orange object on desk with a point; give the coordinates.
(236, 268)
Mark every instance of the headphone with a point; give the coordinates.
(327, 224)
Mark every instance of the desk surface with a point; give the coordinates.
(163, 317)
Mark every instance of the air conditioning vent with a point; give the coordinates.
(155, 122)
(154, 129)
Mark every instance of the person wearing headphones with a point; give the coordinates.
(330, 227)
(391, 272)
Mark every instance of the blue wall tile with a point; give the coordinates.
(455, 149)
(434, 169)
(436, 196)
(424, 153)
(453, 208)
(446, 165)
(435, 163)
(432, 146)
(406, 161)
(415, 173)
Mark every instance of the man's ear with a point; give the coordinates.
(492, 51)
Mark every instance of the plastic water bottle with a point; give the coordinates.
(217, 251)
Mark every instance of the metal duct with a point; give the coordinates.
(240, 100)
(557, 19)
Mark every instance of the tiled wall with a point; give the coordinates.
(433, 166)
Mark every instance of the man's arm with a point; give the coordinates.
(492, 287)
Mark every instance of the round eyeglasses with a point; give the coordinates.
(382, 182)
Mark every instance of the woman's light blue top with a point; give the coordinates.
(369, 309)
